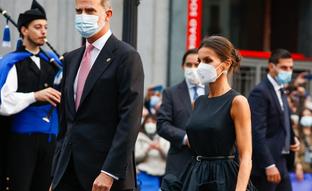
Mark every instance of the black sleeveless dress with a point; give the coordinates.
(211, 134)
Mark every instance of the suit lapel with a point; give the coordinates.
(185, 96)
(101, 63)
(72, 72)
(273, 94)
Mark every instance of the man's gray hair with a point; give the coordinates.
(106, 4)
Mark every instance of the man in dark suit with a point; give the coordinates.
(273, 137)
(101, 107)
(175, 111)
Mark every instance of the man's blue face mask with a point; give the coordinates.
(154, 100)
(283, 77)
(87, 25)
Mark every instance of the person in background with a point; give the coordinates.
(273, 138)
(150, 155)
(175, 110)
(152, 100)
(301, 179)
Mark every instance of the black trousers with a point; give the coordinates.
(29, 159)
(4, 130)
(261, 183)
(70, 182)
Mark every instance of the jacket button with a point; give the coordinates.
(46, 85)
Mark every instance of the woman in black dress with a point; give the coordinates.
(219, 121)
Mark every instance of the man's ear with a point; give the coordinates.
(24, 30)
(109, 14)
(271, 66)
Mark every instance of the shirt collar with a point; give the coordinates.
(99, 43)
(190, 86)
(274, 83)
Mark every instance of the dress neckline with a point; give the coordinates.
(220, 96)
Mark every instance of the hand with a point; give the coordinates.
(300, 79)
(299, 172)
(48, 95)
(154, 145)
(273, 175)
(295, 147)
(50, 188)
(102, 183)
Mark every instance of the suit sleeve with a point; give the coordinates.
(165, 127)
(130, 79)
(259, 107)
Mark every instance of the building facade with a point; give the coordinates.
(152, 30)
(164, 29)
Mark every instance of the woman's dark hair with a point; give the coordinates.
(148, 116)
(224, 49)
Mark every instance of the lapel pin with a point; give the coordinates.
(108, 59)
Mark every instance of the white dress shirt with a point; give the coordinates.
(13, 102)
(200, 90)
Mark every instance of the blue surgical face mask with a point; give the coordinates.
(87, 25)
(306, 121)
(154, 100)
(283, 77)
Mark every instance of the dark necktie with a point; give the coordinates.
(195, 95)
(287, 125)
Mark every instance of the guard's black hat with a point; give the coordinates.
(36, 12)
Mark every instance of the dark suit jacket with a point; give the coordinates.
(172, 117)
(268, 128)
(101, 134)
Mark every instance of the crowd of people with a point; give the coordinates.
(95, 131)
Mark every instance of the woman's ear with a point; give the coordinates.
(227, 64)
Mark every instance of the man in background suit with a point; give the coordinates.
(101, 106)
(273, 137)
(175, 111)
